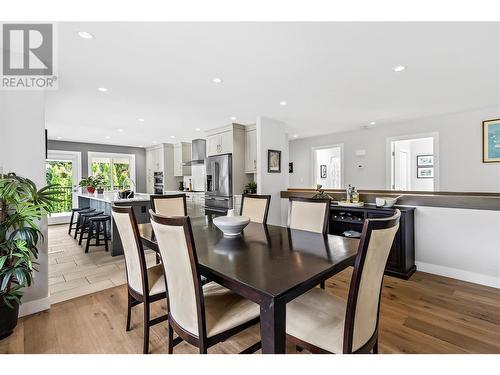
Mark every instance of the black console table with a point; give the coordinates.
(401, 262)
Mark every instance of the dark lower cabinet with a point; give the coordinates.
(401, 262)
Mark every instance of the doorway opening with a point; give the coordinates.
(63, 168)
(413, 164)
(327, 166)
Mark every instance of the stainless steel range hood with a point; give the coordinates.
(198, 152)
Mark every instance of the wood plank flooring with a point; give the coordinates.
(74, 273)
(427, 314)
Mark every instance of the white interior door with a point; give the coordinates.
(402, 172)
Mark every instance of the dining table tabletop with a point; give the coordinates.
(268, 264)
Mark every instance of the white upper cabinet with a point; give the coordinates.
(220, 143)
(182, 154)
(251, 150)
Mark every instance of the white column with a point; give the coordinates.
(271, 135)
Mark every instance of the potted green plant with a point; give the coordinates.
(21, 206)
(93, 182)
(99, 183)
(251, 188)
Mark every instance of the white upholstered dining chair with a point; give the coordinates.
(256, 207)
(200, 315)
(309, 214)
(145, 285)
(324, 323)
(169, 205)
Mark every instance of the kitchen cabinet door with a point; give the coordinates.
(251, 151)
(213, 144)
(226, 142)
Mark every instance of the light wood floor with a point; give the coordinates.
(427, 314)
(74, 273)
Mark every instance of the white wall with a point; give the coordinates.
(271, 135)
(460, 150)
(22, 150)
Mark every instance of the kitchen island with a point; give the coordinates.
(103, 202)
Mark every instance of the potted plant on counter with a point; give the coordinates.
(91, 183)
(21, 207)
(251, 188)
(99, 183)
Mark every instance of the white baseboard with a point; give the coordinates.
(32, 307)
(455, 273)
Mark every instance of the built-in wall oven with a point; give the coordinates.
(219, 194)
(158, 182)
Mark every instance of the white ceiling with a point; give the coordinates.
(334, 76)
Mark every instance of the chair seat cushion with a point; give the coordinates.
(317, 317)
(156, 280)
(225, 310)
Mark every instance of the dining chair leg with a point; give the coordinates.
(375, 347)
(322, 285)
(129, 312)
(298, 348)
(170, 339)
(146, 327)
(203, 349)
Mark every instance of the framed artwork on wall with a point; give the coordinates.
(425, 172)
(273, 161)
(491, 141)
(322, 170)
(425, 160)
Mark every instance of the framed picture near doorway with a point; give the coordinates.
(322, 171)
(425, 160)
(425, 172)
(273, 161)
(491, 141)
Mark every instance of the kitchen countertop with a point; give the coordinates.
(112, 196)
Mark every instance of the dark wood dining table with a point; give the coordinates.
(270, 265)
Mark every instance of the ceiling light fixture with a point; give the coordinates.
(399, 68)
(372, 123)
(108, 137)
(217, 80)
(198, 129)
(120, 130)
(233, 118)
(85, 35)
(295, 136)
(102, 89)
(140, 119)
(58, 137)
(172, 136)
(283, 103)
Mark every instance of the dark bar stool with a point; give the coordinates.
(84, 228)
(79, 219)
(73, 210)
(98, 225)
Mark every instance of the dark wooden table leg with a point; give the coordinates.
(273, 326)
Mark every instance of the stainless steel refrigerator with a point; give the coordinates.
(219, 185)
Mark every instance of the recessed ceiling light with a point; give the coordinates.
(283, 103)
(172, 136)
(217, 80)
(58, 137)
(372, 123)
(233, 118)
(197, 129)
(141, 145)
(399, 68)
(102, 89)
(85, 35)
(120, 130)
(295, 136)
(140, 119)
(108, 137)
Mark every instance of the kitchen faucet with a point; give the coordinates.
(132, 184)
